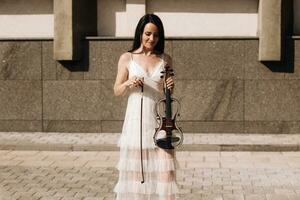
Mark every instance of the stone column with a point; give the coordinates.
(73, 20)
(270, 30)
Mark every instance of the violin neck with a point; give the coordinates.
(168, 104)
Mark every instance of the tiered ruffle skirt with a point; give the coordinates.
(159, 168)
(159, 165)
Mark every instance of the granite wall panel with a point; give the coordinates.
(255, 69)
(115, 126)
(72, 100)
(20, 125)
(69, 71)
(113, 107)
(272, 100)
(207, 100)
(104, 56)
(61, 70)
(212, 126)
(169, 47)
(221, 85)
(74, 126)
(208, 59)
(111, 126)
(94, 70)
(20, 100)
(274, 127)
(48, 63)
(20, 60)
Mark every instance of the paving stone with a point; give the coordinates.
(90, 182)
(294, 196)
(233, 197)
(50, 198)
(93, 198)
(255, 197)
(277, 197)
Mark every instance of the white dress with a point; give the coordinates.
(159, 166)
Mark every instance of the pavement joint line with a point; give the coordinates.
(54, 141)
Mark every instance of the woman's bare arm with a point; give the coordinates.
(121, 83)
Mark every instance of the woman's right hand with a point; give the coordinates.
(135, 81)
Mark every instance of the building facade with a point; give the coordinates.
(237, 63)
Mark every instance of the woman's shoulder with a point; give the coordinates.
(124, 60)
(125, 56)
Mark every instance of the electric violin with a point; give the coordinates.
(168, 135)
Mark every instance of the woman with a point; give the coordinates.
(145, 171)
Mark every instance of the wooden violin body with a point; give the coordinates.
(172, 134)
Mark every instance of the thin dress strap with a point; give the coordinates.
(131, 56)
(163, 58)
(129, 63)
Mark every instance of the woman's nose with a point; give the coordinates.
(151, 37)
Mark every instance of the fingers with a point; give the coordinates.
(136, 81)
(170, 83)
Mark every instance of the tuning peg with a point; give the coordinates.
(162, 72)
(161, 76)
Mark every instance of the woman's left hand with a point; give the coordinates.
(170, 83)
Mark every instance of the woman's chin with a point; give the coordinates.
(149, 48)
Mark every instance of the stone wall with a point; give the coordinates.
(220, 83)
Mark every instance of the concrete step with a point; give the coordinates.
(108, 141)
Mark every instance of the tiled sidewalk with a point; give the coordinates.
(108, 141)
(214, 175)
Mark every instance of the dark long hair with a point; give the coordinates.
(149, 18)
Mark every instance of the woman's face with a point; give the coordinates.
(150, 36)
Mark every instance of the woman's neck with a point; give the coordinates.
(146, 52)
